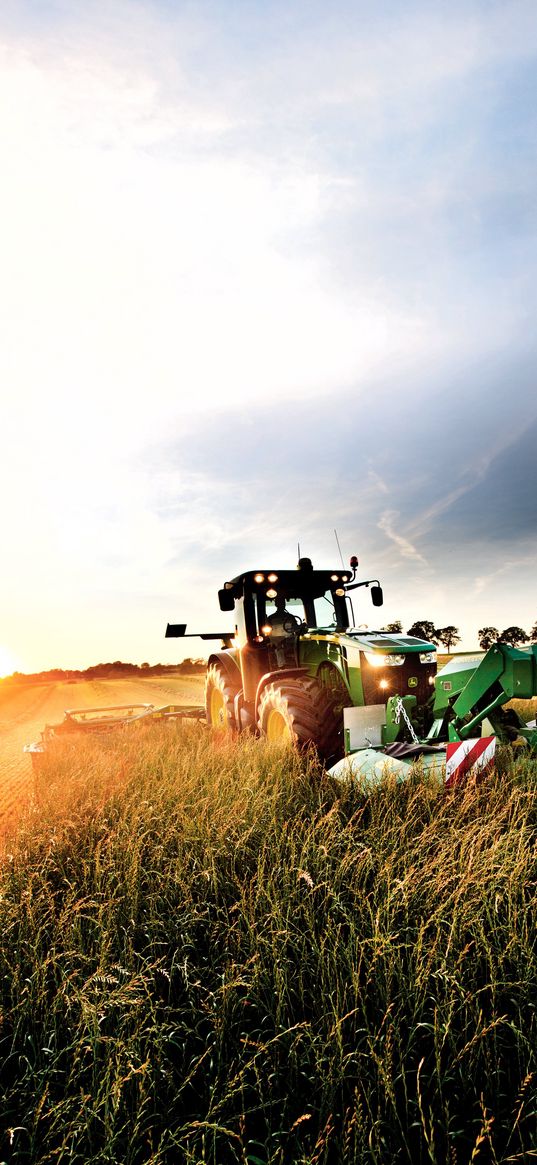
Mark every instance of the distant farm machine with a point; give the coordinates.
(295, 669)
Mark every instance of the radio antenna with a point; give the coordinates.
(343, 565)
(339, 548)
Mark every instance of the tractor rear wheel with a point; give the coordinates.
(220, 692)
(300, 712)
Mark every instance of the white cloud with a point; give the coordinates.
(406, 548)
(141, 284)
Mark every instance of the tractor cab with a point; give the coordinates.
(274, 608)
(292, 630)
(305, 598)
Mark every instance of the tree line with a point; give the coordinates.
(449, 636)
(116, 670)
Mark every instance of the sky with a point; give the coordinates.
(268, 270)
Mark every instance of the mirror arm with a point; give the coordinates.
(366, 583)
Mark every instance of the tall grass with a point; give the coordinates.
(211, 954)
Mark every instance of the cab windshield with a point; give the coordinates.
(325, 612)
(316, 613)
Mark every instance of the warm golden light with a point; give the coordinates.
(383, 684)
(8, 663)
(267, 629)
(374, 659)
(259, 578)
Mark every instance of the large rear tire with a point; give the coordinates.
(220, 692)
(301, 712)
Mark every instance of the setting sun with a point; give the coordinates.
(8, 663)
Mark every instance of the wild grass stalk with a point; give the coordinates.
(211, 953)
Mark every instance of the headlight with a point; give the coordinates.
(378, 660)
(427, 656)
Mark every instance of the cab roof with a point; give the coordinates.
(295, 583)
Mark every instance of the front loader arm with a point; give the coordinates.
(505, 673)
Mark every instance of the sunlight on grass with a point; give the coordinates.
(213, 954)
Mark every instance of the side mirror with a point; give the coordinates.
(226, 600)
(377, 598)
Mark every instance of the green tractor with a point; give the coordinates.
(296, 669)
(294, 661)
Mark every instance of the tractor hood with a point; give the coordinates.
(386, 643)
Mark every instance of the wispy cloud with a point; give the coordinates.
(387, 521)
(483, 582)
(377, 482)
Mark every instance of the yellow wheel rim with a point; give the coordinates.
(278, 730)
(218, 709)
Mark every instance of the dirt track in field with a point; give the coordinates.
(25, 709)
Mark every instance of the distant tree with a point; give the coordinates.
(395, 628)
(513, 636)
(193, 666)
(424, 629)
(487, 636)
(448, 636)
(533, 635)
(144, 666)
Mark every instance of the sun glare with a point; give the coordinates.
(8, 663)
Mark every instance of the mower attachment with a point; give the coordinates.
(105, 719)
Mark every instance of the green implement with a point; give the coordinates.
(97, 721)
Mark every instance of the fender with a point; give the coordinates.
(277, 677)
(228, 662)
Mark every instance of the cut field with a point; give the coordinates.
(25, 709)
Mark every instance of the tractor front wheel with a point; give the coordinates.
(220, 692)
(300, 712)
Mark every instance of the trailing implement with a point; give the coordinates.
(102, 720)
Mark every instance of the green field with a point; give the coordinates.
(211, 953)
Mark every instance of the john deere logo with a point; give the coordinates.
(413, 682)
